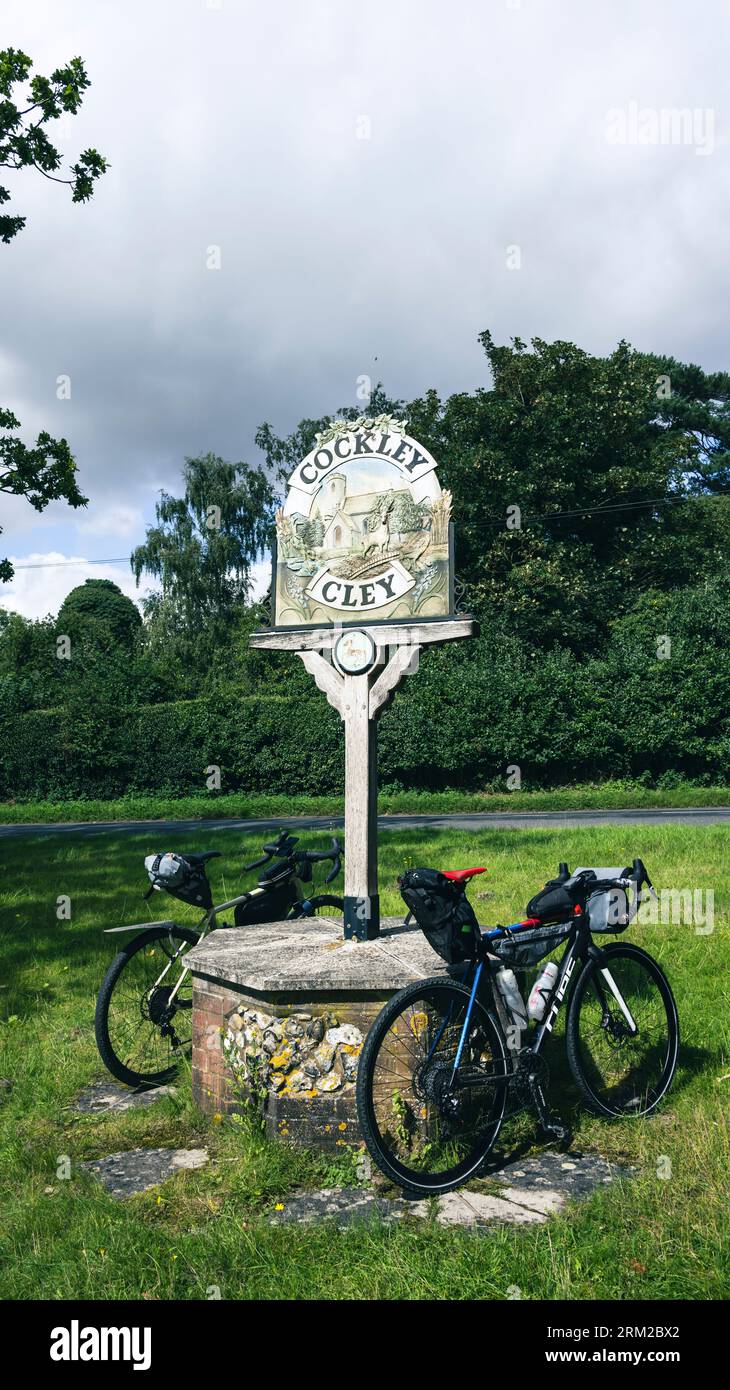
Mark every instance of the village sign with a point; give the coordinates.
(364, 532)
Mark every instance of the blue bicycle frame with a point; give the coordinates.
(496, 934)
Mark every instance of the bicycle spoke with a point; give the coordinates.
(624, 1071)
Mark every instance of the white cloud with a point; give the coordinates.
(260, 578)
(39, 589)
(115, 520)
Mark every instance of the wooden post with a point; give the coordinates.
(359, 699)
(362, 904)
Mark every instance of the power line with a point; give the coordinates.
(56, 564)
(603, 510)
(621, 507)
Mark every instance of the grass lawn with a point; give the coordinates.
(662, 1234)
(604, 796)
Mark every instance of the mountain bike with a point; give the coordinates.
(442, 1058)
(143, 1020)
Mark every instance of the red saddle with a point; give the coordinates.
(462, 875)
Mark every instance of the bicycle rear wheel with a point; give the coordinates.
(320, 905)
(620, 1071)
(140, 1033)
(427, 1126)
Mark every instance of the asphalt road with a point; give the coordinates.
(706, 815)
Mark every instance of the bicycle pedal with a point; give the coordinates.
(559, 1133)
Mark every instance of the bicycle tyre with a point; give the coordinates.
(576, 1046)
(115, 1064)
(410, 1180)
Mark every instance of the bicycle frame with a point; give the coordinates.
(208, 922)
(579, 947)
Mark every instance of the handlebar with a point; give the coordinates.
(334, 853)
(284, 846)
(635, 877)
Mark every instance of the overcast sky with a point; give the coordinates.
(383, 180)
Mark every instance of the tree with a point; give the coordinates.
(23, 141)
(201, 549)
(42, 474)
(47, 471)
(96, 607)
(28, 666)
(577, 482)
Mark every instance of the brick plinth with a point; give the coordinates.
(303, 981)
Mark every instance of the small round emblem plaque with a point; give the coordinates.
(354, 652)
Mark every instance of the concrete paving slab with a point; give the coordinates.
(532, 1191)
(138, 1170)
(105, 1096)
(574, 1173)
(313, 957)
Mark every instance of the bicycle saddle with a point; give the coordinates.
(462, 875)
(203, 858)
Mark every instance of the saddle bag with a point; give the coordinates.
(179, 877)
(443, 912)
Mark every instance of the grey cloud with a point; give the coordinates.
(237, 127)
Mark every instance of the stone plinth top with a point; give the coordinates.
(311, 955)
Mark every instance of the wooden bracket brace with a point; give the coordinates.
(403, 661)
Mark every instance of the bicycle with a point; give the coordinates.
(437, 1066)
(143, 1019)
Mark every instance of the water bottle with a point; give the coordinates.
(510, 991)
(541, 991)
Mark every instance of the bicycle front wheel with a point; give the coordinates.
(141, 1030)
(428, 1122)
(622, 1032)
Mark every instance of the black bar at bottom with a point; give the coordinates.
(362, 918)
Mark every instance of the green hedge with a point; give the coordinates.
(471, 711)
(260, 744)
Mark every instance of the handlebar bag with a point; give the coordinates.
(178, 876)
(608, 910)
(443, 912)
(559, 896)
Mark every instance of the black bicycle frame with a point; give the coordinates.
(579, 947)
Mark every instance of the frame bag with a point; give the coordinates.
(443, 912)
(527, 948)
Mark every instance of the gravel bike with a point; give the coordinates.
(143, 1020)
(441, 1059)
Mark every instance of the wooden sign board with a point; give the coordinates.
(364, 534)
